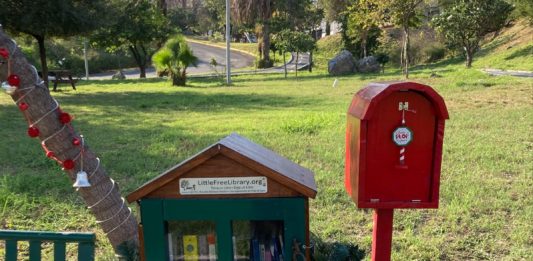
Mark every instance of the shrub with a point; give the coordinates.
(175, 57)
(433, 53)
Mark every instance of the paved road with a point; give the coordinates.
(204, 53)
(497, 72)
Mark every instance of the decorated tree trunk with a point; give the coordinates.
(62, 143)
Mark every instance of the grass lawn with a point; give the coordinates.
(141, 128)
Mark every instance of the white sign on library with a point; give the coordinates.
(223, 185)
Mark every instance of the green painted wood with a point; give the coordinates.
(224, 240)
(35, 238)
(86, 251)
(47, 236)
(155, 213)
(35, 250)
(11, 250)
(59, 250)
(155, 245)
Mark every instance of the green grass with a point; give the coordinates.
(141, 128)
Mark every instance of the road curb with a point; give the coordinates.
(220, 47)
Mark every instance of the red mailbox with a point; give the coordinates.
(394, 146)
(393, 153)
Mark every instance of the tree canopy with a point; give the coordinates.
(51, 18)
(465, 22)
(138, 26)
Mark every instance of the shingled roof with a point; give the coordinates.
(246, 153)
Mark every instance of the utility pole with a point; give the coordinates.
(228, 38)
(85, 58)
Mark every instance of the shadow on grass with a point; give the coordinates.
(335, 251)
(528, 51)
(185, 100)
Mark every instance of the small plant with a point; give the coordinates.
(174, 58)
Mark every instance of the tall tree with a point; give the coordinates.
(61, 142)
(405, 14)
(464, 23)
(137, 26)
(260, 12)
(51, 18)
(362, 16)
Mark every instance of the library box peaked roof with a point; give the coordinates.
(237, 156)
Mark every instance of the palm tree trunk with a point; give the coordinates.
(103, 197)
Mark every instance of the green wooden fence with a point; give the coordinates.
(36, 238)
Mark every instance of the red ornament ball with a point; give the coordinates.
(64, 117)
(76, 142)
(4, 53)
(23, 106)
(50, 154)
(13, 80)
(33, 132)
(68, 164)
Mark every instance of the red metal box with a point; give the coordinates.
(394, 146)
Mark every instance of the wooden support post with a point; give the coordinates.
(382, 234)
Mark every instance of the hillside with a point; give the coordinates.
(512, 49)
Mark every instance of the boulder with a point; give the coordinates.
(343, 63)
(368, 64)
(119, 75)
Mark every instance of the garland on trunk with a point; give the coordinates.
(111, 208)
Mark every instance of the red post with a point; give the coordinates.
(382, 234)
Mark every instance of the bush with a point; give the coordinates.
(327, 48)
(434, 52)
(68, 54)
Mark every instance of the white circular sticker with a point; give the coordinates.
(402, 136)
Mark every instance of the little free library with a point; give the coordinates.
(235, 200)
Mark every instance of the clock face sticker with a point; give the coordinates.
(402, 136)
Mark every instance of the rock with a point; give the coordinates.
(368, 64)
(119, 75)
(343, 63)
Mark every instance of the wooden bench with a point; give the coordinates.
(62, 76)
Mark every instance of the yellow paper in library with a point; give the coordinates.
(190, 247)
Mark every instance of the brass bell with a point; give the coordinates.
(81, 180)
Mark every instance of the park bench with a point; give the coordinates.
(62, 76)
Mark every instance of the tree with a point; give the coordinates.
(465, 22)
(103, 196)
(260, 12)
(524, 8)
(283, 43)
(294, 41)
(51, 18)
(405, 14)
(137, 26)
(175, 57)
(362, 17)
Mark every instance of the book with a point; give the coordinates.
(203, 248)
(262, 252)
(255, 253)
(190, 247)
(234, 241)
(267, 256)
(211, 241)
(171, 247)
(274, 249)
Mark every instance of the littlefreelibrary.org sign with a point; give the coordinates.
(224, 185)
